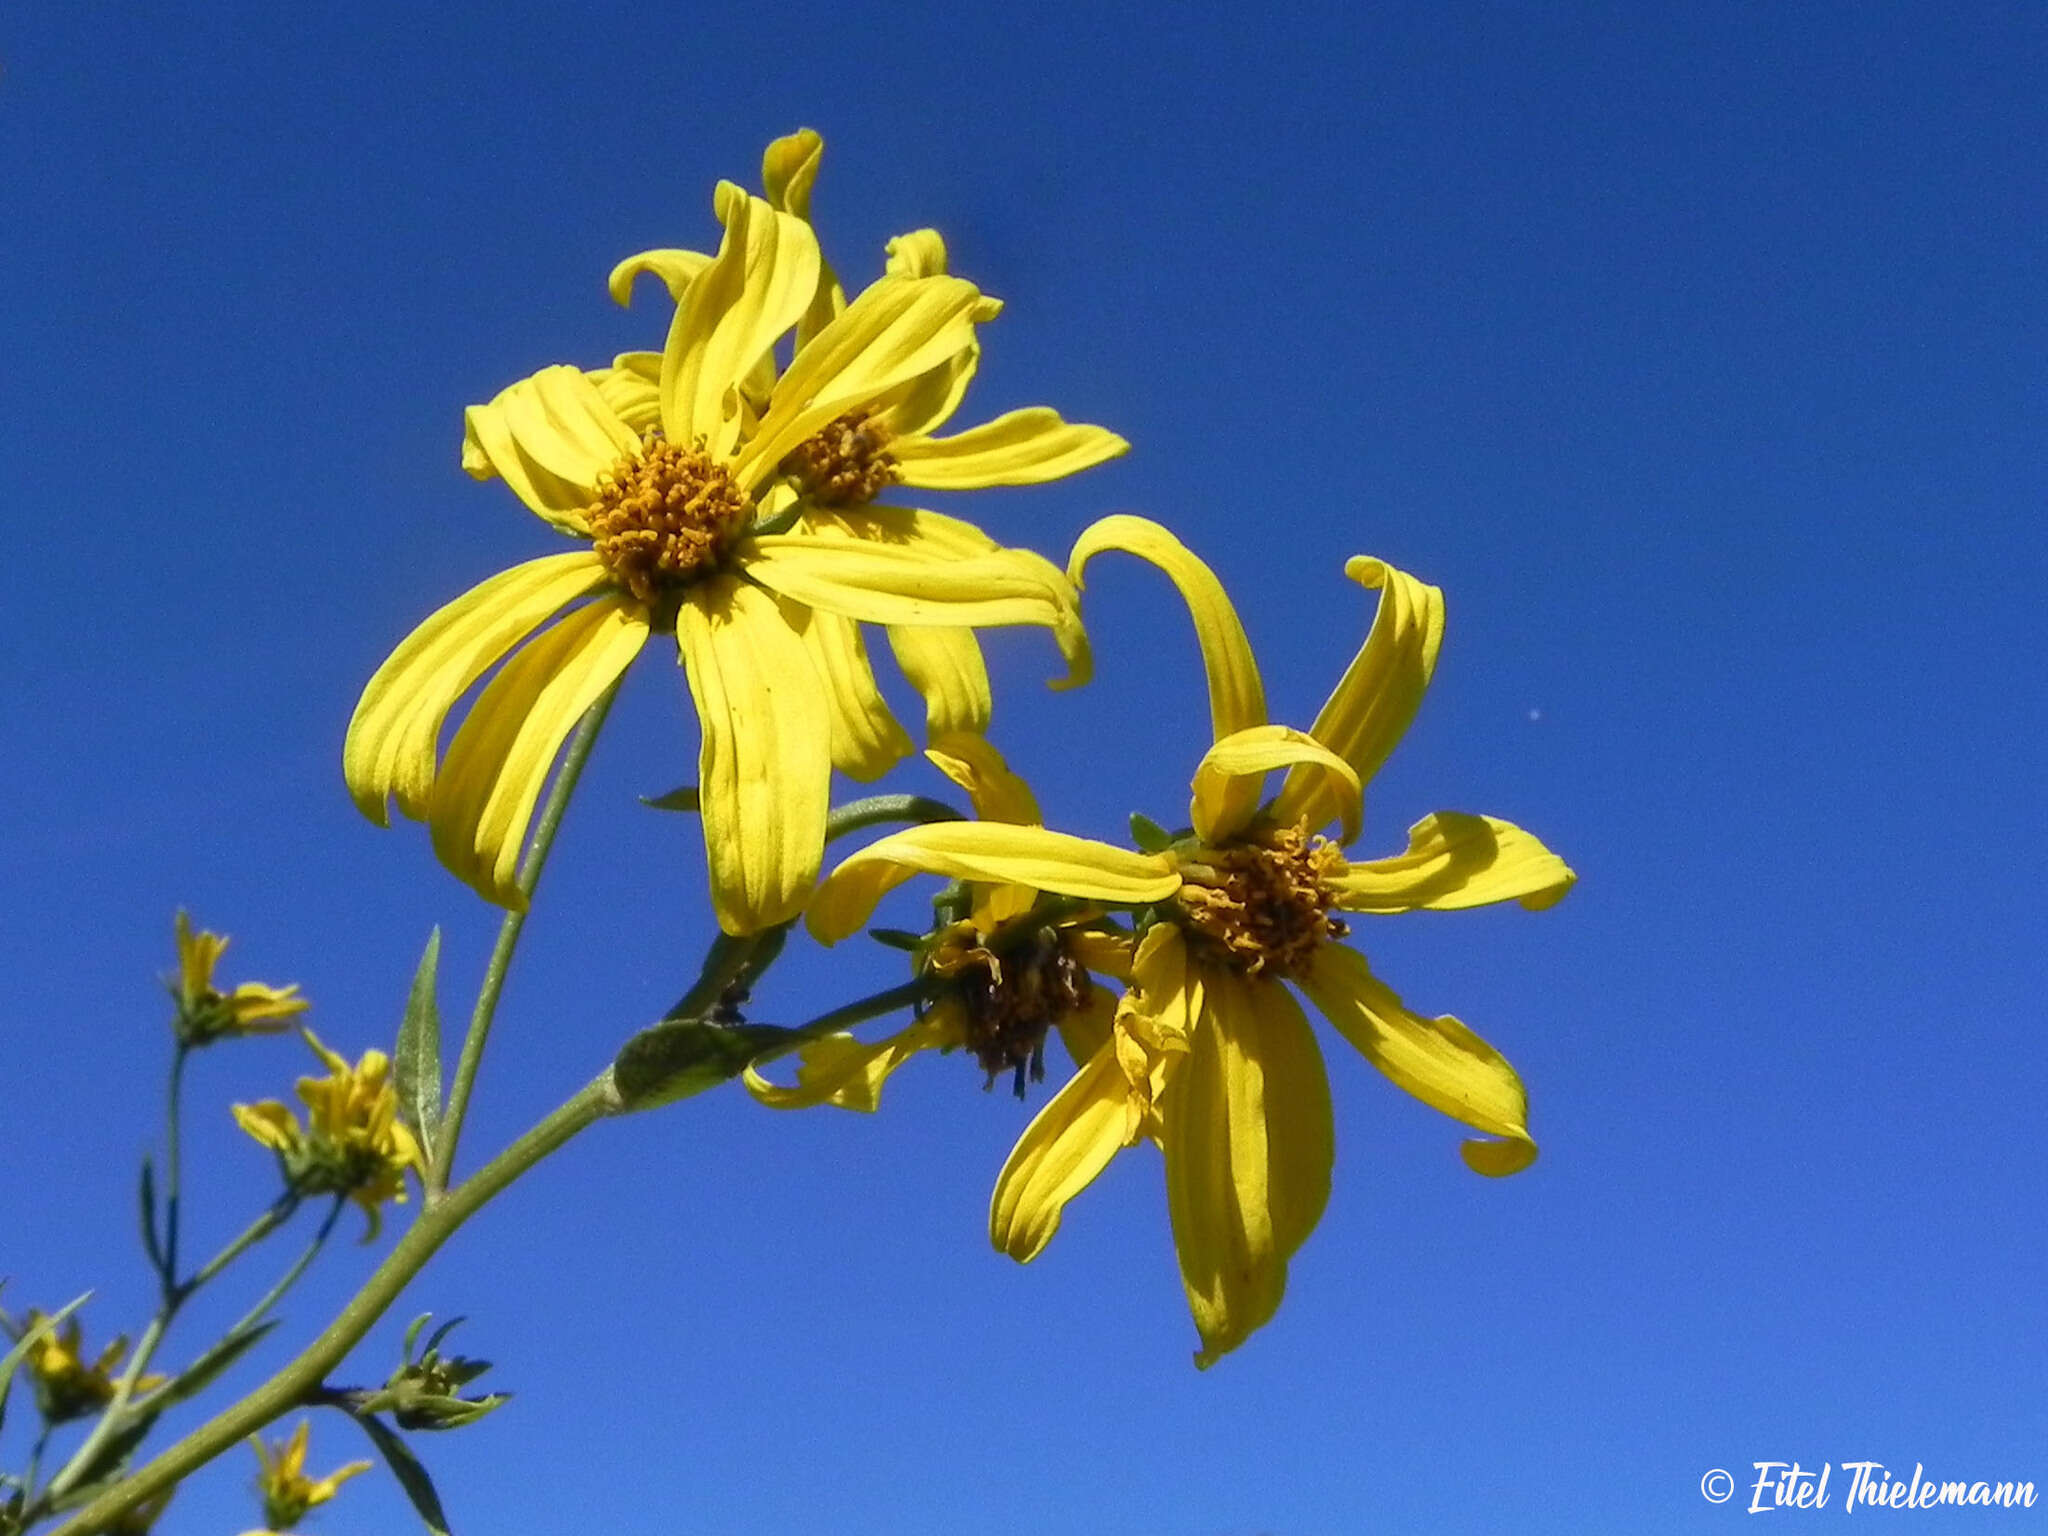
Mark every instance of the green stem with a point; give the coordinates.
(290, 1277)
(508, 941)
(908, 995)
(173, 1169)
(878, 810)
(289, 1386)
(278, 1214)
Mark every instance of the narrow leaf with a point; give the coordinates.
(202, 1372)
(412, 1332)
(412, 1477)
(679, 1057)
(897, 938)
(1149, 835)
(682, 798)
(419, 1051)
(150, 1244)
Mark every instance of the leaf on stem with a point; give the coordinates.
(202, 1372)
(418, 1061)
(679, 1057)
(150, 1243)
(411, 1475)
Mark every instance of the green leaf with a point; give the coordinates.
(897, 938)
(412, 1333)
(682, 798)
(1149, 835)
(679, 1057)
(150, 1244)
(418, 1061)
(30, 1337)
(202, 1373)
(412, 1477)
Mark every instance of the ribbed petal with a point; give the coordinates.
(551, 437)
(928, 402)
(997, 794)
(920, 253)
(945, 666)
(1439, 1061)
(1087, 1030)
(897, 329)
(848, 1073)
(1061, 1152)
(1106, 954)
(765, 770)
(932, 532)
(867, 741)
(499, 760)
(1237, 699)
(763, 278)
(676, 270)
(1026, 447)
(632, 388)
(991, 852)
(391, 738)
(1380, 691)
(1251, 755)
(1455, 860)
(789, 170)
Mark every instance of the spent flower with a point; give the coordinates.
(205, 1013)
(68, 1385)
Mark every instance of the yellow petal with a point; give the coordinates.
(920, 253)
(1453, 861)
(895, 330)
(997, 794)
(1026, 447)
(866, 739)
(945, 666)
(269, 1123)
(632, 388)
(1439, 1061)
(1106, 954)
(1380, 691)
(1067, 1144)
(991, 852)
(391, 738)
(676, 269)
(928, 401)
(552, 437)
(761, 281)
(789, 169)
(765, 769)
(198, 954)
(848, 1073)
(912, 527)
(499, 760)
(1237, 700)
(1086, 1031)
(1248, 756)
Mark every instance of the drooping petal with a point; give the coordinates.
(551, 437)
(930, 532)
(1455, 860)
(497, 763)
(992, 852)
(1249, 755)
(849, 1073)
(928, 401)
(632, 388)
(1106, 954)
(765, 769)
(1026, 447)
(1067, 1144)
(1380, 691)
(789, 170)
(676, 270)
(997, 794)
(1439, 1061)
(391, 737)
(1237, 699)
(763, 278)
(919, 253)
(945, 666)
(895, 330)
(867, 741)
(1087, 1030)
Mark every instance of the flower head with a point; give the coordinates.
(67, 1385)
(287, 1492)
(1208, 1053)
(205, 1013)
(724, 499)
(353, 1143)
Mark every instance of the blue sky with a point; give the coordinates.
(1695, 351)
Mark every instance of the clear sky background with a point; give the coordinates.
(1695, 350)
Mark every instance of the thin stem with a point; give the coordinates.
(290, 1385)
(290, 1277)
(279, 1213)
(508, 941)
(908, 995)
(878, 810)
(173, 1169)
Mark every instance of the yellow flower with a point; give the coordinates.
(1209, 1054)
(286, 1491)
(354, 1144)
(67, 1387)
(205, 1013)
(736, 522)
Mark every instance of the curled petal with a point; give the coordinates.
(1106, 954)
(848, 1073)
(945, 666)
(993, 853)
(499, 760)
(920, 253)
(1453, 861)
(676, 270)
(1061, 1152)
(1380, 691)
(789, 169)
(997, 794)
(1248, 756)
(866, 739)
(632, 388)
(1087, 1031)
(765, 768)
(1026, 447)
(269, 1122)
(1439, 1061)
(552, 437)
(391, 737)
(928, 402)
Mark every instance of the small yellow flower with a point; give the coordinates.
(205, 1013)
(725, 503)
(354, 1144)
(67, 1387)
(1208, 1054)
(286, 1491)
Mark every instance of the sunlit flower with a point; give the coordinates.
(286, 1491)
(1209, 1055)
(701, 501)
(353, 1143)
(205, 1013)
(67, 1385)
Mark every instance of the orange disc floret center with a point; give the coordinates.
(1262, 904)
(846, 464)
(1011, 1000)
(664, 517)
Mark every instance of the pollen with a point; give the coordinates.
(846, 464)
(1012, 1001)
(665, 516)
(1262, 904)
